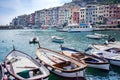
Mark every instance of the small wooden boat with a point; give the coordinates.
(23, 67)
(34, 40)
(1, 72)
(91, 60)
(61, 64)
(57, 39)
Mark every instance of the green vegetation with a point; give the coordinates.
(109, 1)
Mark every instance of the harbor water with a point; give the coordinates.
(20, 39)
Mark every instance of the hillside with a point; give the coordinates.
(97, 1)
(109, 1)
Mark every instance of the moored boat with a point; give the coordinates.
(97, 36)
(101, 35)
(34, 40)
(23, 67)
(74, 27)
(60, 64)
(93, 36)
(91, 60)
(107, 46)
(57, 39)
(110, 53)
(113, 58)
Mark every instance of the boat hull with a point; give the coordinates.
(99, 66)
(93, 37)
(79, 74)
(115, 62)
(77, 29)
(56, 63)
(24, 71)
(80, 29)
(58, 41)
(111, 61)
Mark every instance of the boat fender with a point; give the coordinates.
(31, 73)
(5, 77)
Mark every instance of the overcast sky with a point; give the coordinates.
(13, 8)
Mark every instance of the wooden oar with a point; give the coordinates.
(26, 67)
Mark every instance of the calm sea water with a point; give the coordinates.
(20, 38)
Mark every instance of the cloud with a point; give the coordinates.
(13, 8)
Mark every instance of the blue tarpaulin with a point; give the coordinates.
(83, 24)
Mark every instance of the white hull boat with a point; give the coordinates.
(60, 64)
(110, 51)
(115, 62)
(23, 67)
(77, 28)
(91, 60)
(93, 36)
(97, 36)
(101, 35)
(114, 58)
(57, 39)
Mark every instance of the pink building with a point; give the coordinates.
(75, 14)
(114, 15)
(28, 20)
(76, 17)
(114, 12)
(113, 22)
(32, 18)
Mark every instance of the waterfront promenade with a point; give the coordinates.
(4, 27)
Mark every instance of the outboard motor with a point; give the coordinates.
(34, 39)
(89, 48)
(111, 40)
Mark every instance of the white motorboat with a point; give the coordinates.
(61, 64)
(101, 35)
(110, 51)
(77, 28)
(57, 39)
(113, 58)
(93, 36)
(97, 36)
(91, 60)
(23, 67)
(106, 46)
